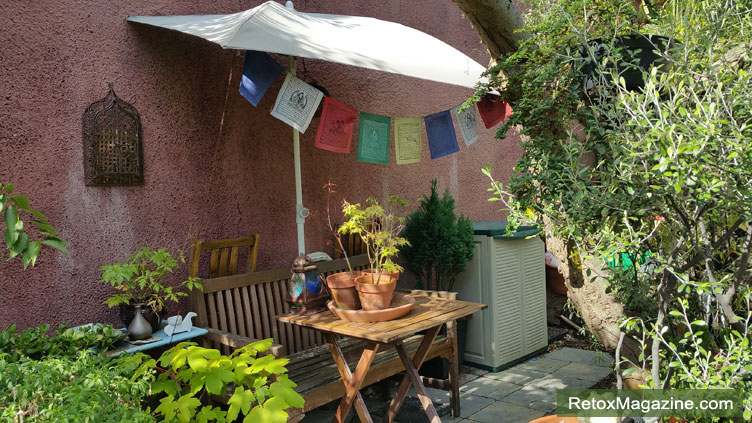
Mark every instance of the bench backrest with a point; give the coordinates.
(224, 256)
(247, 305)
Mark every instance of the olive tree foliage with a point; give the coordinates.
(661, 171)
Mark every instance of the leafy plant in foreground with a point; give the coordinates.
(257, 384)
(663, 169)
(18, 240)
(85, 387)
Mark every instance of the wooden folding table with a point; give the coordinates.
(428, 314)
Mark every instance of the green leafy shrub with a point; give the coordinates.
(35, 344)
(18, 240)
(441, 244)
(260, 389)
(143, 278)
(663, 169)
(85, 387)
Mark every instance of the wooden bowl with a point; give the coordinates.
(401, 305)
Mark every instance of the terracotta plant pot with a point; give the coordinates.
(393, 275)
(375, 296)
(342, 287)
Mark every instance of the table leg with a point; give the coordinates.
(346, 375)
(415, 364)
(351, 391)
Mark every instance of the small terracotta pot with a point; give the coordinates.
(375, 296)
(393, 275)
(555, 280)
(342, 286)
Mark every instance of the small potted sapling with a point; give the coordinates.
(341, 284)
(142, 281)
(380, 229)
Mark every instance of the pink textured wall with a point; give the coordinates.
(215, 166)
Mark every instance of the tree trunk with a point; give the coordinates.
(496, 22)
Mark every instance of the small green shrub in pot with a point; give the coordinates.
(441, 243)
(143, 279)
(379, 227)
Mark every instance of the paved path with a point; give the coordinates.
(518, 394)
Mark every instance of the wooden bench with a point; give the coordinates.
(241, 308)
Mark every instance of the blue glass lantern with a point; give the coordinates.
(306, 293)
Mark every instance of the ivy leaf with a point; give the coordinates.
(207, 413)
(241, 400)
(164, 384)
(272, 411)
(287, 394)
(186, 408)
(216, 378)
(166, 408)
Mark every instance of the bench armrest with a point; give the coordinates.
(238, 341)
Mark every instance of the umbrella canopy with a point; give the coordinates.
(351, 40)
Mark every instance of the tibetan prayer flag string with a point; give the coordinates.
(336, 127)
(468, 124)
(493, 110)
(259, 72)
(441, 138)
(373, 139)
(407, 140)
(296, 103)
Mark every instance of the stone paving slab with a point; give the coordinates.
(517, 375)
(489, 388)
(541, 364)
(593, 358)
(583, 371)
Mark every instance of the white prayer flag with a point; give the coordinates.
(468, 124)
(296, 103)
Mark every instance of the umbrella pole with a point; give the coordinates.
(300, 212)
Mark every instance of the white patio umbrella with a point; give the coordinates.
(351, 40)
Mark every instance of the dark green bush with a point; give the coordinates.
(441, 243)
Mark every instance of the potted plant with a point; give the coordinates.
(380, 229)
(142, 280)
(441, 243)
(341, 284)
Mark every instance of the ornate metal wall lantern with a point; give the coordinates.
(113, 150)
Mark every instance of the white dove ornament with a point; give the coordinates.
(176, 324)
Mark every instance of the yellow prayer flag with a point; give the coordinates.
(407, 140)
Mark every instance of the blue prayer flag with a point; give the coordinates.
(259, 72)
(442, 140)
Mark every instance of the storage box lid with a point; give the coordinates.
(497, 229)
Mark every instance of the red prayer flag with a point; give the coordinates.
(336, 127)
(493, 110)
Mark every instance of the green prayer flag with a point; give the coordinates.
(373, 139)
